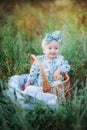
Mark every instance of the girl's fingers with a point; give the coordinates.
(54, 77)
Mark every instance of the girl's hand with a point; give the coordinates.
(57, 73)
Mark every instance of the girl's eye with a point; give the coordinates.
(50, 48)
(56, 48)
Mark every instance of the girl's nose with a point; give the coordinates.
(52, 50)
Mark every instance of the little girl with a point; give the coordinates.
(53, 64)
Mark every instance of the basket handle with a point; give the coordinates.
(45, 85)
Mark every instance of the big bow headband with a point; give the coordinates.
(56, 35)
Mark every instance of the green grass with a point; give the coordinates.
(18, 40)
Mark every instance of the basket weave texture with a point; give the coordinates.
(62, 89)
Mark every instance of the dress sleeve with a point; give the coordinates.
(65, 67)
(34, 71)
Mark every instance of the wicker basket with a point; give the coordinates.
(64, 86)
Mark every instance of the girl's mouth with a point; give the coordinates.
(53, 54)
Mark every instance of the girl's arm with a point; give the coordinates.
(34, 71)
(64, 68)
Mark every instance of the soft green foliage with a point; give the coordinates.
(74, 49)
(12, 116)
(15, 51)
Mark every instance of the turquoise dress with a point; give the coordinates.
(49, 66)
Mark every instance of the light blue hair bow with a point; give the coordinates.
(56, 35)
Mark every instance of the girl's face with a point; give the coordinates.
(51, 49)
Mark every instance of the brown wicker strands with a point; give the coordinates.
(64, 86)
(45, 84)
